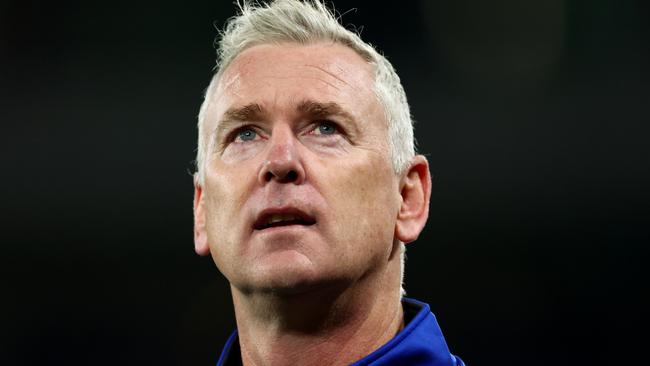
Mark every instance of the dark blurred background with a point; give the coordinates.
(534, 115)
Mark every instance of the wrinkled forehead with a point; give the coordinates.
(318, 71)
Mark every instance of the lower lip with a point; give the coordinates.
(282, 228)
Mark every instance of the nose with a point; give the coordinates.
(283, 162)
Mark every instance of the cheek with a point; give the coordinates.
(226, 192)
(223, 218)
(366, 200)
(240, 153)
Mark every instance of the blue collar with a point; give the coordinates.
(420, 343)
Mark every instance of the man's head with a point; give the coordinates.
(309, 22)
(307, 173)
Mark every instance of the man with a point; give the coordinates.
(307, 187)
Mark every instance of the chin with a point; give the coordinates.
(287, 272)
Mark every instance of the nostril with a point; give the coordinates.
(281, 171)
(291, 176)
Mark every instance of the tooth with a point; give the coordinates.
(274, 218)
(281, 217)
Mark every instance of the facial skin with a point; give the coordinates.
(296, 131)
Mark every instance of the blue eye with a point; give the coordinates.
(326, 128)
(247, 134)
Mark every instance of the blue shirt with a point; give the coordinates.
(420, 343)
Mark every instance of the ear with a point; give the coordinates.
(201, 246)
(415, 189)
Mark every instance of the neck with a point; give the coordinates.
(333, 326)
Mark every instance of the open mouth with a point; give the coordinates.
(287, 218)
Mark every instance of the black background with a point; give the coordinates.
(534, 115)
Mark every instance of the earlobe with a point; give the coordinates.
(416, 193)
(201, 246)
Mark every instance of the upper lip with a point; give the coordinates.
(270, 216)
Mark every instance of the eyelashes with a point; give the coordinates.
(326, 128)
(241, 134)
(251, 133)
(245, 134)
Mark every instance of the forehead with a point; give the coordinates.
(283, 75)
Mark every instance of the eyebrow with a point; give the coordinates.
(312, 109)
(237, 115)
(249, 112)
(323, 110)
(318, 110)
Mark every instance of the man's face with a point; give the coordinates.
(299, 189)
